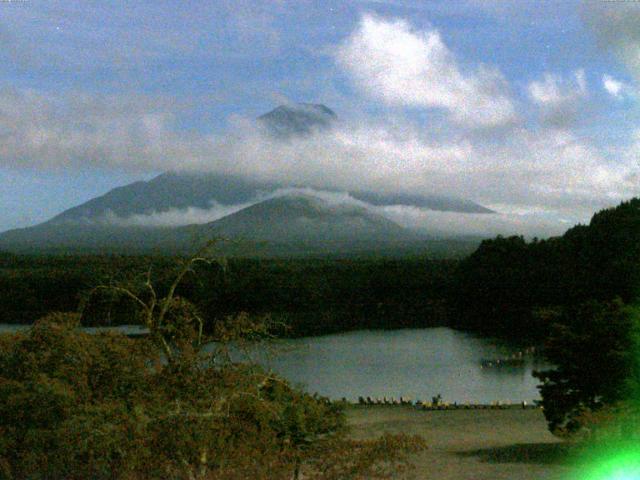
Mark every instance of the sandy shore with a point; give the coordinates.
(471, 444)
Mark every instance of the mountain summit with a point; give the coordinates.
(297, 119)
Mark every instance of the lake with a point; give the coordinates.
(415, 363)
(131, 330)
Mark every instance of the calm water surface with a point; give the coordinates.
(125, 329)
(419, 363)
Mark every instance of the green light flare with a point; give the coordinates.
(621, 463)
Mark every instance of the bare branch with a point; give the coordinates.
(198, 257)
(122, 290)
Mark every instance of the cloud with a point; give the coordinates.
(399, 66)
(558, 99)
(546, 170)
(617, 89)
(631, 156)
(170, 218)
(617, 26)
(194, 215)
(131, 133)
(529, 224)
(525, 222)
(612, 86)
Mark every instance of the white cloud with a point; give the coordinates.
(172, 217)
(194, 215)
(559, 99)
(528, 222)
(399, 66)
(131, 133)
(631, 156)
(613, 86)
(545, 170)
(549, 169)
(616, 88)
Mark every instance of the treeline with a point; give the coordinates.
(309, 296)
(514, 288)
(32, 286)
(508, 287)
(578, 294)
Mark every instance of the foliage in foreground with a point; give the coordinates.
(78, 406)
(596, 380)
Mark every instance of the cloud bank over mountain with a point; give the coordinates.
(422, 220)
(510, 147)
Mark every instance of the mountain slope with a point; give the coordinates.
(166, 192)
(99, 224)
(171, 190)
(179, 191)
(432, 202)
(303, 218)
(295, 223)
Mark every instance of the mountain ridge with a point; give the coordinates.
(297, 223)
(96, 223)
(286, 121)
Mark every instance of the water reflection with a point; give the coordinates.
(419, 363)
(416, 363)
(130, 330)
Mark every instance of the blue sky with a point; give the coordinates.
(529, 107)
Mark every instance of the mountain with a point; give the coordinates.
(431, 202)
(298, 119)
(99, 224)
(172, 190)
(292, 224)
(181, 190)
(166, 192)
(308, 219)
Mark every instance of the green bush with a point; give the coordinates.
(595, 355)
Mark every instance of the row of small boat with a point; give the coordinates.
(440, 405)
(516, 359)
